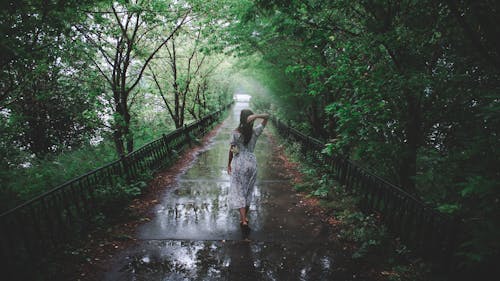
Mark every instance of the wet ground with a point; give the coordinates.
(194, 236)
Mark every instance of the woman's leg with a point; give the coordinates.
(243, 216)
(247, 208)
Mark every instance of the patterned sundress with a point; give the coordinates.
(244, 169)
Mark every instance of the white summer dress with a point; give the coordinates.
(244, 169)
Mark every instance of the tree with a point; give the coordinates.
(180, 79)
(39, 76)
(181, 74)
(409, 88)
(125, 38)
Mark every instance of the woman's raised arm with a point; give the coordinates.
(264, 116)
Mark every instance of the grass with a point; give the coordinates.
(24, 183)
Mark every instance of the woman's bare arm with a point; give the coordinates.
(264, 116)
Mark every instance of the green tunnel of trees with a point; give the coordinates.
(408, 89)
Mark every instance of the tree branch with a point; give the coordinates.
(95, 44)
(118, 20)
(155, 79)
(102, 72)
(157, 49)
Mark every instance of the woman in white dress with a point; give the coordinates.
(242, 164)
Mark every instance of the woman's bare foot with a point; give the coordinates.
(243, 217)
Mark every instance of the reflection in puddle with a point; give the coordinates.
(198, 210)
(194, 235)
(230, 260)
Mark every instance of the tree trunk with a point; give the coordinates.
(203, 91)
(122, 123)
(117, 138)
(192, 111)
(129, 135)
(314, 120)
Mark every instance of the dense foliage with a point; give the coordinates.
(84, 82)
(409, 89)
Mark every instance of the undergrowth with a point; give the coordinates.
(364, 233)
(33, 176)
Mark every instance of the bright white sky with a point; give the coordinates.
(241, 97)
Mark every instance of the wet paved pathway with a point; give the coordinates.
(194, 235)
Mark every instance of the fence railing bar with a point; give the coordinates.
(402, 211)
(69, 182)
(45, 221)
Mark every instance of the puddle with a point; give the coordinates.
(194, 236)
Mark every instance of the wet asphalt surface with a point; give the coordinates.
(194, 236)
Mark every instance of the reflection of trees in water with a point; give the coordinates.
(197, 209)
(199, 202)
(235, 260)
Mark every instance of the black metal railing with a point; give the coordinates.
(421, 227)
(43, 223)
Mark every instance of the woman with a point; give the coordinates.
(242, 165)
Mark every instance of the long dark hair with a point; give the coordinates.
(245, 128)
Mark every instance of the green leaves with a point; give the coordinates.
(404, 89)
(449, 208)
(480, 188)
(408, 89)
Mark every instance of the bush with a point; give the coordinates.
(112, 200)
